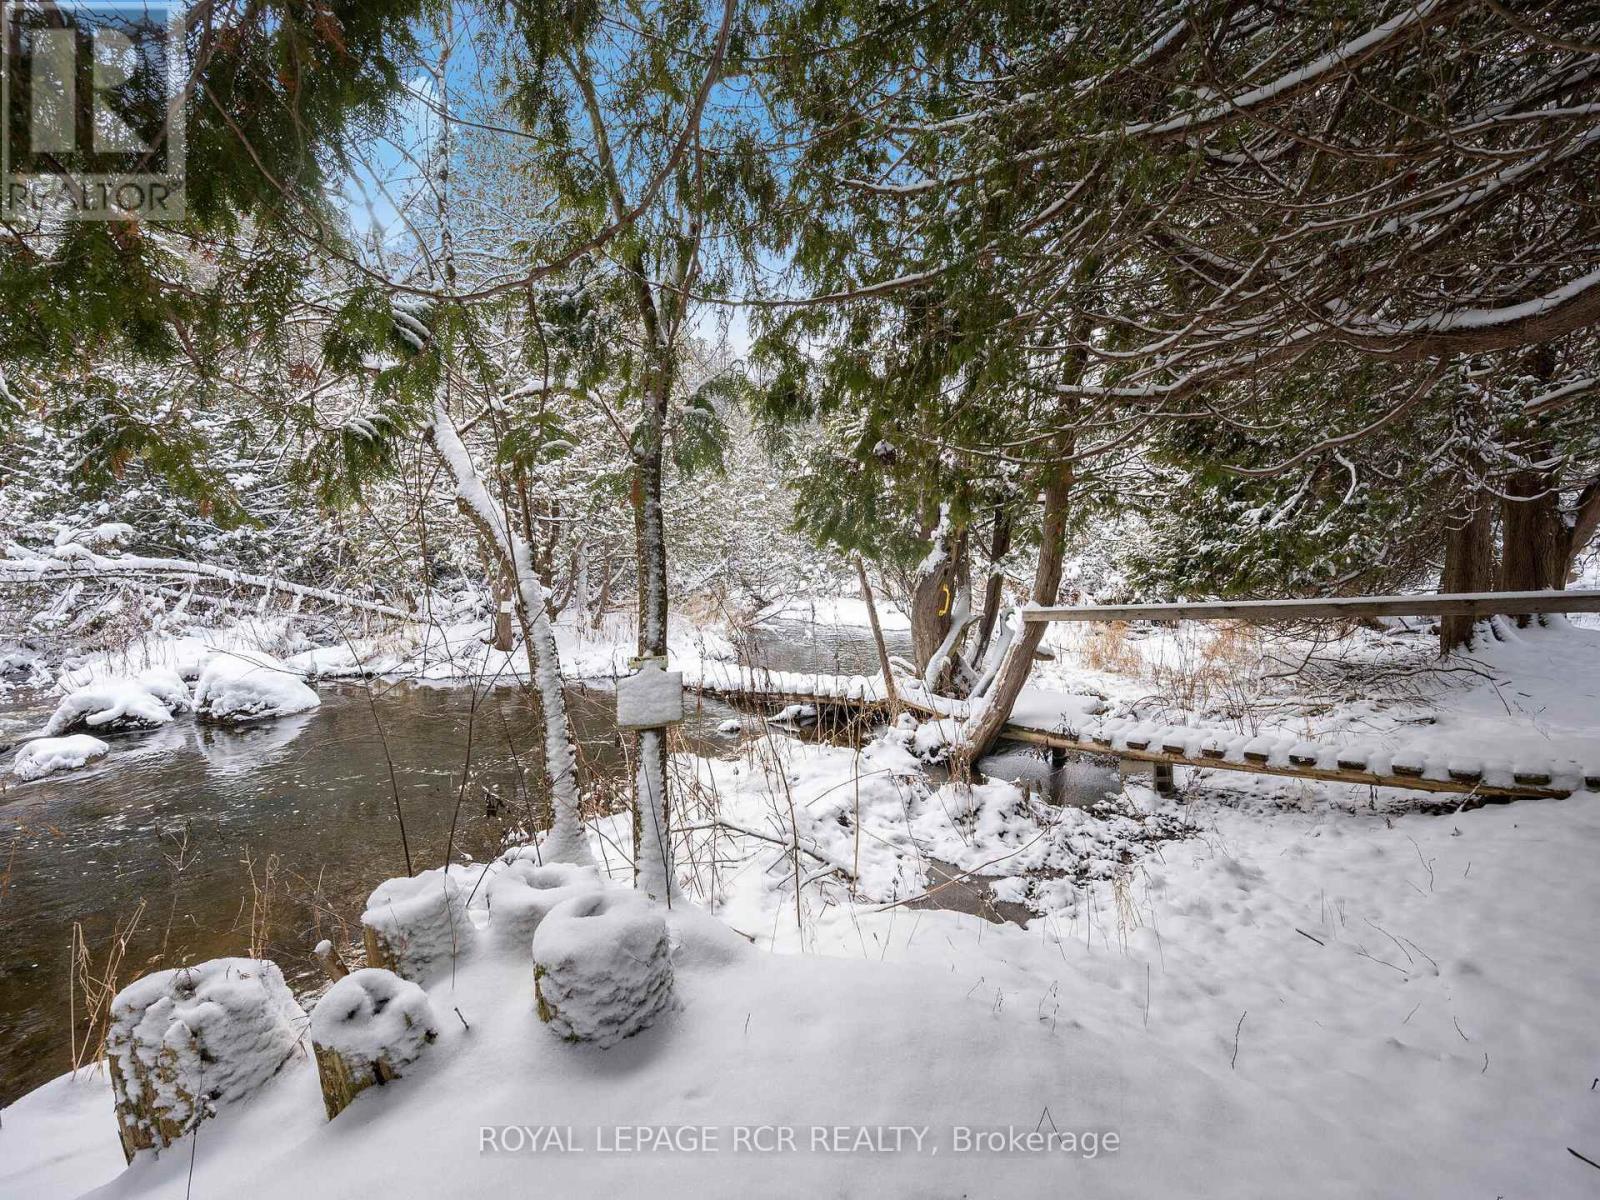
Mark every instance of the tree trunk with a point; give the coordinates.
(1577, 531)
(1468, 567)
(504, 609)
(1534, 552)
(990, 713)
(999, 547)
(566, 841)
(933, 594)
(652, 830)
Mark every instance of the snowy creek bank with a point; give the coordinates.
(197, 840)
(270, 834)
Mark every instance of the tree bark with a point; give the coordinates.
(652, 830)
(889, 693)
(566, 841)
(1534, 539)
(999, 547)
(990, 713)
(1468, 567)
(933, 594)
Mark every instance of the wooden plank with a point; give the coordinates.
(1455, 604)
(1040, 737)
(1527, 786)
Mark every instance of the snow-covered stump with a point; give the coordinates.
(522, 895)
(185, 1041)
(417, 927)
(368, 1029)
(602, 967)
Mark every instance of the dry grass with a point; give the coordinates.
(92, 986)
(1106, 647)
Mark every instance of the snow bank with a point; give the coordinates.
(185, 1041)
(121, 703)
(522, 895)
(367, 1029)
(602, 967)
(250, 686)
(418, 926)
(44, 756)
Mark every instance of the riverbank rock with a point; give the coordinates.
(250, 686)
(368, 1029)
(47, 755)
(524, 893)
(417, 926)
(107, 705)
(602, 967)
(186, 1041)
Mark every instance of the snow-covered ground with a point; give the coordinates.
(1522, 697)
(1312, 1001)
(1265, 986)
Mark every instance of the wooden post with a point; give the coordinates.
(504, 638)
(877, 636)
(1164, 783)
(328, 958)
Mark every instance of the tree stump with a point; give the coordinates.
(602, 967)
(368, 1029)
(183, 1042)
(417, 927)
(524, 893)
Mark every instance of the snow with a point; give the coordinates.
(60, 1140)
(602, 966)
(649, 698)
(1266, 986)
(423, 923)
(218, 1031)
(121, 703)
(522, 895)
(45, 756)
(1296, 996)
(250, 686)
(372, 1016)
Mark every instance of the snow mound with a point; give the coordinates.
(368, 1028)
(602, 967)
(112, 704)
(250, 686)
(522, 895)
(44, 756)
(167, 686)
(649, 698)
(184, 1041)
(417, 926)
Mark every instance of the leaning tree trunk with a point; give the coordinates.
(652, 830)
(989, 715)
(566, 841)
(1468, 567)
(1578, 529)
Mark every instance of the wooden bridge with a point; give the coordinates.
(1068, 723)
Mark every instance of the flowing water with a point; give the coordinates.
(194, 841)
